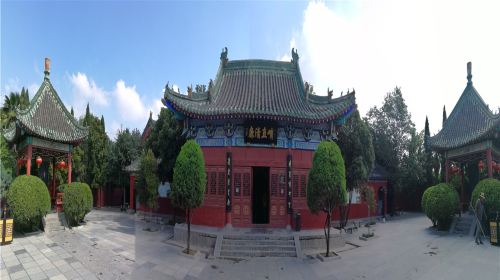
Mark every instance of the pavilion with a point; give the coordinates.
(45, 132)
(470, 134)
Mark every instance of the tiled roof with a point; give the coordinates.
(48, 118)
(378, 173)
(470, 121)
(260, 89)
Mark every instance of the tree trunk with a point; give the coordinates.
(329, 223)
(344, 212)
(189, 230)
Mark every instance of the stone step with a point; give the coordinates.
(257, 237)
(239, 242)
(263, 248)
(253, 254)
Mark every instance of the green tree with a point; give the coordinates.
(12, 102)
(166, 140)
(122, 153)
(148, 180)
(355, 142)
(189, 180)
(95, 151)
(392, 131)
(429, 161)
(7, 165)
(326, 187)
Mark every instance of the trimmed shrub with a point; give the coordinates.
(62, 187)
(77, 202)
(491, 189)
(440, 203)
(29, 201)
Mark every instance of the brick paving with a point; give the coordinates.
(114, 245)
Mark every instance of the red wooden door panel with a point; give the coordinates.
(277, 185)
(242, 196)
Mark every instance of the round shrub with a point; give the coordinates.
(29, 201)
(77, 202)
(491, 189)
(62, 187)
(440, 203)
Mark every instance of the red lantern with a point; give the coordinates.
(62, 164)
(481, 165)
(38, 161)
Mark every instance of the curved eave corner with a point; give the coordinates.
(178, 115)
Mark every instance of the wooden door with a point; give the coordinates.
(242, 196)
(277, 184)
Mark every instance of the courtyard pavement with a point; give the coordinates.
(114, 245)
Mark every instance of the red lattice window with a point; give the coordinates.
(213, 183)
(274, 185)
(246, 184)
(303, 185)
(295, 185)
(221, 184)
(237, 184)
(282, 184)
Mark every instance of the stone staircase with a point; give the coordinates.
(463, 225)
(54, 222)
(249, 246)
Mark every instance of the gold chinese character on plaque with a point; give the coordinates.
(270, 133)
(264, 133)
(251, 133)
(257, 132)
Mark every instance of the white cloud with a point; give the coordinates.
(421, 46)
(130, 105)
(88, 90)
(12, 85)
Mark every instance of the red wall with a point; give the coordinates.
(213, 211)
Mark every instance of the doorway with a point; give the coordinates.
(260, 195)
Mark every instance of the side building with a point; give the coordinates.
(258, 124)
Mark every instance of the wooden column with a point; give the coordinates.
(489, 163)
(54, 180)
(69, 168)
(446, 170)
(29, 155)
(385, 200)
(462, 190)
(132, 180)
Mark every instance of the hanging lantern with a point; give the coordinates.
(481, 165)
(38, 161)
(62, 164)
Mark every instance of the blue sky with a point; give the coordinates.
(118, 55)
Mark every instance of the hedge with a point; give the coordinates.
(29, 201)
(77, 202)
(440, 203)
(491, 189)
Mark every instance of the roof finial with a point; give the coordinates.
(150, 114)
(295, 56)
(47, 67)
(469, 72)
(223, 56)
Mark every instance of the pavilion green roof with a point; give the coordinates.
(47, 118)
(470, 121)
(260, 89)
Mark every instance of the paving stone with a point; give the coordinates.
(52, 272)
(58, 277)
(15, 268)
(18, 275)
(65, 268)
(19, 252)
(71, 274)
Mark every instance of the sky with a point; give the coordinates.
(118, 55)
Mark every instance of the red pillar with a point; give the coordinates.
(462, 191)
(69, 168)
(28, 158)
(446, 174)
(132, 180)
(385, 200)
(489, 162)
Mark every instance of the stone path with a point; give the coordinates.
(113, 245)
